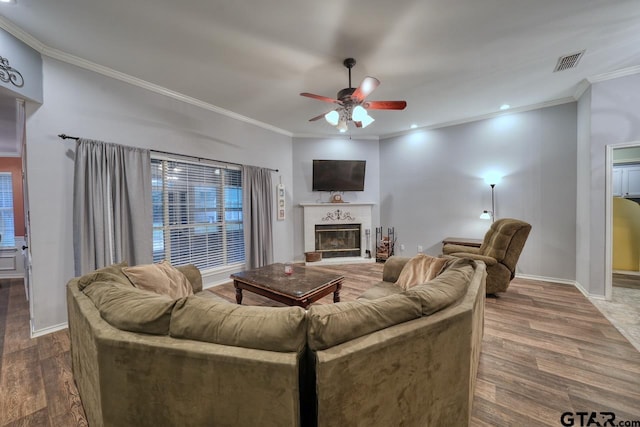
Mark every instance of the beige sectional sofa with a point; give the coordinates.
(392, 357)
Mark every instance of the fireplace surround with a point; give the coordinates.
(338, 231)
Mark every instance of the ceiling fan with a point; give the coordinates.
(352, 105)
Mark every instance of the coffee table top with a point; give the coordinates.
(301, 282)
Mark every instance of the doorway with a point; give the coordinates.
(12, 216)
(623, 216)
(622, 303)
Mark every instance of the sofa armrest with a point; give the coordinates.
(392, 268)
(486, 259)
(450, 249)
(193, 275)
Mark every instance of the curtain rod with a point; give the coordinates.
(63, 136)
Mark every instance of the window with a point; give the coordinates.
(7, 230)
(197, 214)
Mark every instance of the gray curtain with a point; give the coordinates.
(112, 219)
(257, 208)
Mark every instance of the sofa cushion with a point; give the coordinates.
(131, 309)
(445, 289)
(161, 278)
(332, 324)
(380, 290)
(215, 320)
(106, 274)
(420, 269)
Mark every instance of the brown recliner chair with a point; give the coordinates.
(500, 251)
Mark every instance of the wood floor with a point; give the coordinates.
(546, 350)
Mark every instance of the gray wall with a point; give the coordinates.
(305, 150)
(83, 103)
(614, 119)
(431, 185)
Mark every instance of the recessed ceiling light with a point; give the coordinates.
(413, 126)
(505, 106)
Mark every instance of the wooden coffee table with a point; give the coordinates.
(303, 287)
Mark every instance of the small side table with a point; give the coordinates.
(462, 241)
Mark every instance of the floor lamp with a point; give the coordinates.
(492, 180)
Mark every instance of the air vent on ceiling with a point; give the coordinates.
(568, 61)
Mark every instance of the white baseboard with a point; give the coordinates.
(547, 279)
(48, 330)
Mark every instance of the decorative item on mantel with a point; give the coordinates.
(337, 198)
(385, 245)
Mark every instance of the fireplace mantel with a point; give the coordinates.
(339, 213)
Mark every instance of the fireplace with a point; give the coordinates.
(339, 231)
(338, 240)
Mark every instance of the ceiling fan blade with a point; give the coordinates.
(358, 124)
(320, 98)
(321, 116)
(366, 87)
(385, 105)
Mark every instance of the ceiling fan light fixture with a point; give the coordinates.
(359, 113)
(332, 117)
(366, 121)
(342, 126)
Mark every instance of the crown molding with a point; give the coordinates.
(21, 35)
(614, 74)
(117, 75)
(522, 109)
(581, 88)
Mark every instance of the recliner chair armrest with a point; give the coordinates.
(450, 249)
(489, 261)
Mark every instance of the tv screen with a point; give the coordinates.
(338, 175)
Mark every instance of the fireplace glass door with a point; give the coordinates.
(338, 240)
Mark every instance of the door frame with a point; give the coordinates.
(608, 215)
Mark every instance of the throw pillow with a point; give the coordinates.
(162, 278)
(130, 309)
(105, 274)
(420, 269)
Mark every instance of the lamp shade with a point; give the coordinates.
(342, 126)
(367, 120)
(332, 117)
(485, 215)
(359, 113)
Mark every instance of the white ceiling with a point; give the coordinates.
(451, 60)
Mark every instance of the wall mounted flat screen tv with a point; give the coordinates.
(338, 175)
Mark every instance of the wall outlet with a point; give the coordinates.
(402, 247)
(420, 249)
